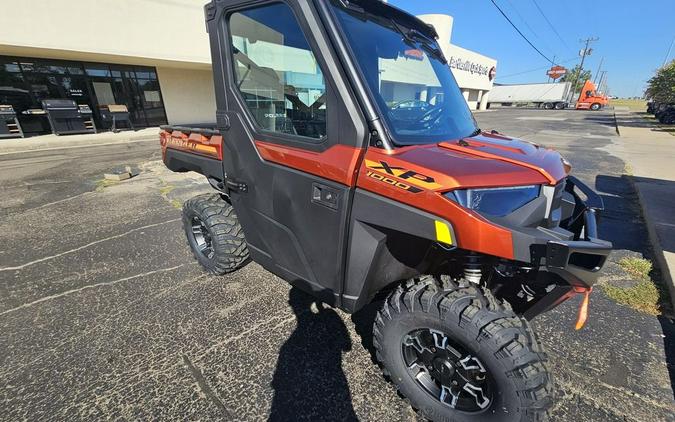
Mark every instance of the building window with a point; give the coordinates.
(25, 82)
(277, 73)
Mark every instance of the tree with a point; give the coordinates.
(661, 87)
(571, 76)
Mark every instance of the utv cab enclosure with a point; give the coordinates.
(346, 161)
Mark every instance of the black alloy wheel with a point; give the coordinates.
(446, 370)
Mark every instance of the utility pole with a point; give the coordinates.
(599, 67)
(585, 52)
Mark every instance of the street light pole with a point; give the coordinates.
(599, 67)
(668, 53)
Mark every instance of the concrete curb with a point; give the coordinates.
(648, 207)
(659, 254)
(53, 142)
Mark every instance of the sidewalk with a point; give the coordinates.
(46, 142)
(650, 153)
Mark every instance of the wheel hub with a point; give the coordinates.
(446, 370)
(202, 237)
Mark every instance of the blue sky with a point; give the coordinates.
(634, 35)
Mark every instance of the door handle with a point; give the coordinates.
(325, 195)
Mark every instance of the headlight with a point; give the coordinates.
(497, 202)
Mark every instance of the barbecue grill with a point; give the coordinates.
(68, 117)
(9, 124)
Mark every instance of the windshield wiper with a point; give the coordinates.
(415, 38)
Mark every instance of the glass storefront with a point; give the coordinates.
(25, 82)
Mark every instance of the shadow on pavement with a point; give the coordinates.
(622, 224)
(308, 382)
(642, 119)
(668, 327)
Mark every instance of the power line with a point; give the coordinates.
(551, 25)
(534, 70)
(523, 20)
(521, 34)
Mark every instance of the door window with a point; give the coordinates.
(276, 73)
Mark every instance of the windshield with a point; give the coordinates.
(410, 81)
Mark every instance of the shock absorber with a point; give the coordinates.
(472, 268)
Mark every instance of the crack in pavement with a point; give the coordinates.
(205, 388)
(92, 327)
(90, 286)
(79, 248)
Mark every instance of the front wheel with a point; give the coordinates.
(595, 106)
(458, 353)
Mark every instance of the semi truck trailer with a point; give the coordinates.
(549, 95)
(555, 95)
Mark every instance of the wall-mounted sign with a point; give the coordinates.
(492, 73)
(556, 71)
(468, 66)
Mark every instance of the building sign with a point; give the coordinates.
(556, 71)
(493, 73)
(468, 66)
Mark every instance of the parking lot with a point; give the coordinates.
(104, 313)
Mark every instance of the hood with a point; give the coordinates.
(485, 160)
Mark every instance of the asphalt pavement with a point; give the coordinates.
(104, 313)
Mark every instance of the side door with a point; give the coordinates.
(293, 135)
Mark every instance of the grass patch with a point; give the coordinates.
(165, 190)
(633, 105)
(104, 183)
(646, 296)
(176, 204)
(637, 267)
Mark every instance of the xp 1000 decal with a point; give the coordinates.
(411, 181)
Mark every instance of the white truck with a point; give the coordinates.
(547, 95)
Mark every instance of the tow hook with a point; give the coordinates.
(583, 308)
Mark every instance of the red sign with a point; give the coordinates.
(556, 71)
(414, 54)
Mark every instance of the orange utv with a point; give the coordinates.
(346, 161)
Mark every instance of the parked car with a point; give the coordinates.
(667, 115)
(662, 109)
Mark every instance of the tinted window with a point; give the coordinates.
(276, 72)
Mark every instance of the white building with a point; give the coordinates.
(474, 72)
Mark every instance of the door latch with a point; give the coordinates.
(324, 195)
(236, 186)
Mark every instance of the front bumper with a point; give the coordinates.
(569, 258)
(572, 250)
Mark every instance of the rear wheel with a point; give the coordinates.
(595, 106)
(548, 106)
(559, 106)
(457, 353)
(214, 234)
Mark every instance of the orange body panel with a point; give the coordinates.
(194, 143)
(338, 163)
(419, 175)
(472, 231)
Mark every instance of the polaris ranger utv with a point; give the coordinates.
(346, 161)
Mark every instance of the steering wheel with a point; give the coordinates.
(431, 116)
